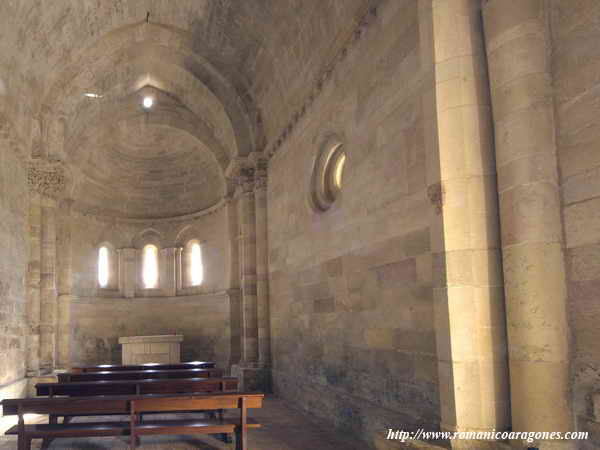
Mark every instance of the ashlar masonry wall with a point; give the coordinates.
(14, 251)
(351, 288)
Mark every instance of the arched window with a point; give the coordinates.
(196, 268)
(150, 266)
(103, 267)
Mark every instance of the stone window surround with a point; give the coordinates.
(324, 192)
(184, 286)
(141, 290)
(113, 269)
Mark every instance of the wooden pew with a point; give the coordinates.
(148, 366)
(238, 426)
(139, 375)
(140, 387)
(132, 405)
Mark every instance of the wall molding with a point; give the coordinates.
(325, 76)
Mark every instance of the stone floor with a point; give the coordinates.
(283, 429)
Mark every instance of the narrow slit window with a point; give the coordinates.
(196, 266)
(150, 266)
(103, 269)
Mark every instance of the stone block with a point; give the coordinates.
(326, 305)
(398, 272)
(530, 213)
(379, 338)
(414, 341)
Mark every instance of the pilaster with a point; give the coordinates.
(468, 293)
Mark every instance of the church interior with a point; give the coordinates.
(384, 215)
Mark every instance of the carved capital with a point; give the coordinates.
(246, 180)
(47, 179)
(260, 181)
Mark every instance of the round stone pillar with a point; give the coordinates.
(465, 240)
(262, 269)
(249, 316)
(518, 47)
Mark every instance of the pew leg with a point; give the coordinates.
(133, 441)
(240, 441)
(24, 442)
(53, 420)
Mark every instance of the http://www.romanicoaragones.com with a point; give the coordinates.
(527, 436)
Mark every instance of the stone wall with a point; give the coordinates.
(97, 324)
(351, 288)
(14, 247)
(97, 321)
(576, 65)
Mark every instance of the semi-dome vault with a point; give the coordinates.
(225, 77)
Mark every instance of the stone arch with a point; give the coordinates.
(232, 91)
(186, 234)
(149, 236)
(113, 264)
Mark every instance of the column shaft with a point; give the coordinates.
(518, 46)
(262, 276)
(234, 278)
(128, 271)
(33, 284)
(48, 293)
(469, 302)
(64, 284)
(168, 279)
(249, 319)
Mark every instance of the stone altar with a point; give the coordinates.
(162, 349)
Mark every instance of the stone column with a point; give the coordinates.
(234, 241)
(168, 278)
(33, 284)
(251, 371)
(48, 292)
(127, 271)
(518, 45)
(464, 228)
(234, 293)
(262, 268)
(249, 319)
(64, 283)
(178, 269)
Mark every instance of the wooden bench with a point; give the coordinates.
(132, 405)
(148, 366)
(139, 387)
(239, 426)
(139, 375)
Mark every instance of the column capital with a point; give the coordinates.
(46, 178)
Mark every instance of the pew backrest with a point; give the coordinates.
(147, 366)
(132, 387)
(139, 375)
